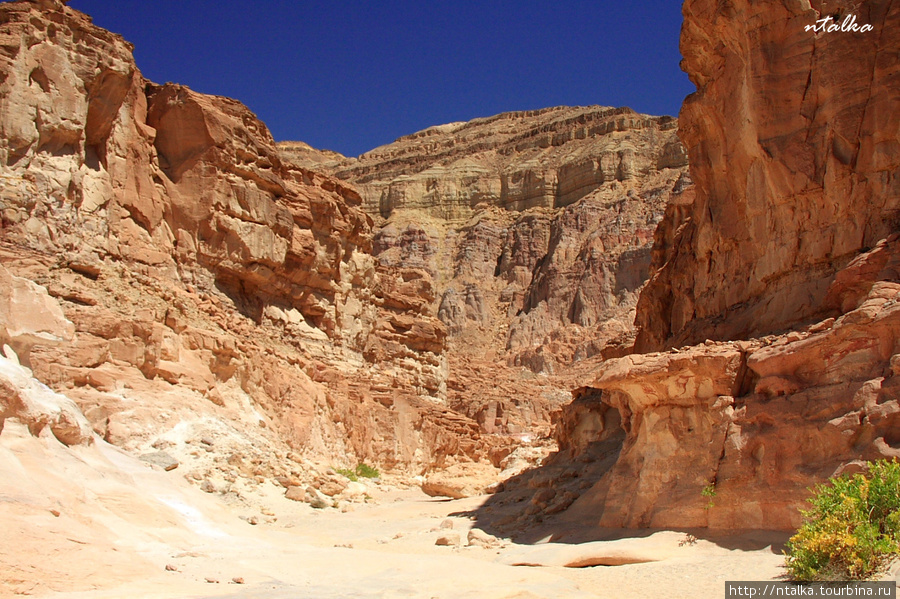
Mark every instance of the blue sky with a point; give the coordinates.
(350, 76)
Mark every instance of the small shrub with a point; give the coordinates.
(852, 531)
(710, 492)
(347, 473)
(367, 471)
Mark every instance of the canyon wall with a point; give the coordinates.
(207, 280)
(774, 283)
(538, 222)
(535, 228)
(429, 305)
(792, 139)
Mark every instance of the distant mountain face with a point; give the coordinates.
(536, 228)
(530, 221)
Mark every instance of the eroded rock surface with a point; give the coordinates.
(534, 230)
(775, 281)
(792, 139)
(199, 268)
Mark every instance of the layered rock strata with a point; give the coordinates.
(546, 158)
(193, 261)
(535, 228)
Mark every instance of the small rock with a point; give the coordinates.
(354, 489)
(330, 486)
(207, 487)
(212, 580)
(55, 513)
(447, 524)
(161, 459)
(206, 441)
(295, 494)
(287, 481)
(87, 265)
(171, 568)
(895, 364)
(253, 520)
(451, 539)
(317, 499)
(237, 580)
(482, 539)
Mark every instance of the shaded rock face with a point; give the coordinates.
(192, 259)
(757, 422)
(792, 139)
(786, 249)
(535, 229)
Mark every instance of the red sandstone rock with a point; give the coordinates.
(195, 263)
(792, 141)
(792, 138)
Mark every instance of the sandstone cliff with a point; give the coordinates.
(781, 261)
(206, 278)
(792, 138)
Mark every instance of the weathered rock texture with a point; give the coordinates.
(517, 160)
(535, 228)
(794, 145)
(28, 315)
(193, 262)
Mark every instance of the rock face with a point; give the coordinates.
(755, 423)
(546, 158)
(534, 230)
(193, 261)
(793, 140)
(29, 315)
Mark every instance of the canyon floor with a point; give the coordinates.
(101, 523)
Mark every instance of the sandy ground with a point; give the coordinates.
(95, 522)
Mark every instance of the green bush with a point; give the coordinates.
(852, 531)
(361, 471)
(347, 473)
(367, 471)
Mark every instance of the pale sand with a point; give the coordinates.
(121, 523)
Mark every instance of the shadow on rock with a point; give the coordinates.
(564, 499)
